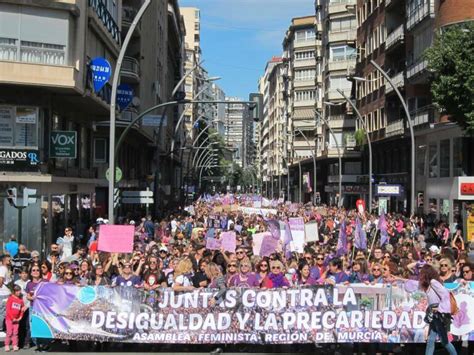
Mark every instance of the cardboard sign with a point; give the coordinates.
(269, 245)
(297, 232)
(213, 244)
(311, 232)
(228, 241)
(258, 240)
(116, 238)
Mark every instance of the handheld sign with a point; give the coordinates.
(101, 72)
(116, 238)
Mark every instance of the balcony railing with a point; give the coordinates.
(395, 37)
(398, 80)
(130, 67)
(395, 128)
(420, 13)
(423, 116)
(336, 6)
(32, 52)
(100, 9)
(344, 35)
(128, 14)
(417, 68)
(128, 114)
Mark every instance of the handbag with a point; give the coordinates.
(452, 301)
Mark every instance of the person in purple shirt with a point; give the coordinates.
(304, 275)
(245, 278)
(127, 278)
(335, 275)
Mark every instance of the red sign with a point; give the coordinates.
(467, 188)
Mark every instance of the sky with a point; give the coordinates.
(238, 37)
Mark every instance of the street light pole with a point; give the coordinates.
(113, 99)
(359, 116)
(338, 154)
(412, 135)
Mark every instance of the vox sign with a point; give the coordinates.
(63, 144)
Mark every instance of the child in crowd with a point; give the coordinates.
(15, 310)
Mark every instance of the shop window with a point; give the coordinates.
(444, 149)
(433, 160)
(100, 150)
(458, 157)
(19, 127)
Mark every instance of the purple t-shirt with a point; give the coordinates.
(132, 281)
(31, 286)
(249, 280)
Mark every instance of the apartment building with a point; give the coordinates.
(395, 34)
(239, 131)
(338, 28)
(46, 91)
(273, 132)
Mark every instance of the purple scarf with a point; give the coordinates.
(278, 280)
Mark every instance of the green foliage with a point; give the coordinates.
(451, 61)
(359, 137)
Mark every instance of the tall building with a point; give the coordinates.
(273, 148)
(239, 131)
(47, 97)
(218, 113)
(337, 137)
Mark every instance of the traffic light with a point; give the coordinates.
(29, 197)
(11, 196)
(256, 110)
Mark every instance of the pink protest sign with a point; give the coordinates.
(258, 241)
(213, 244)
(269, 245)
(116, 238)
(228, 241)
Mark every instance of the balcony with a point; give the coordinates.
(398, 80)
(423, 11)
(309, 42)
(130, 70)
(305, 82)
(341, 63)
(333, 94)
(395, 128)
(128, 15)
(395, 37)
(416, 69)
(305, 103)
(104, 15)
(423, 116)
(304, 63)
(304, 124)
(342, 36)
(338, 6)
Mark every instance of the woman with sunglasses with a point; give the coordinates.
(375, 276)
(85, 274)
(276, 278)
(126, 276)
(45, 266)
(245, 278)
(98, 277)
(446, 273)
(69, 277)
(231, 271)
(360, 272)
(439, 307)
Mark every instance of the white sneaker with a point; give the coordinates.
(3, 334)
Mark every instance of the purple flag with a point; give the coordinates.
(274, 228)
(382, 226)
(287, 240)
(342, 240)
(360, 237)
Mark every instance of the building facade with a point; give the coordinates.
(48, 96)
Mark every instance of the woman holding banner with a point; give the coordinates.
(303, 276)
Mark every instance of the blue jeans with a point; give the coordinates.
(430, 346)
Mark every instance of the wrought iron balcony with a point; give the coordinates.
(107, 19)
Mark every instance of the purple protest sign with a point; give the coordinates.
(228, 241)
(269, 245)
(213, 243)
(297, 233)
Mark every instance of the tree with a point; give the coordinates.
(450, 60)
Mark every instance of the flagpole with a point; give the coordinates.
(373, 240)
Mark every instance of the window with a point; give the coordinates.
(304, 55)
(420, 160)
(100, 150)
(305, 35)
(339, 82)
(444, 161)
(343, 24)
(33, 34)
(433, 160)
(305, 95)
(19, 126)
(458, 157)
(338, 53)
(305, 74)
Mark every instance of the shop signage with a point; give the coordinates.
(101, 72)
(19, 159)
(63, 144)
(467, 188)
(389, 190)
(124, 96)
(154, 121)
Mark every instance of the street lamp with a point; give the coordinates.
(359, 116)
(412, 135)
(314, 165)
